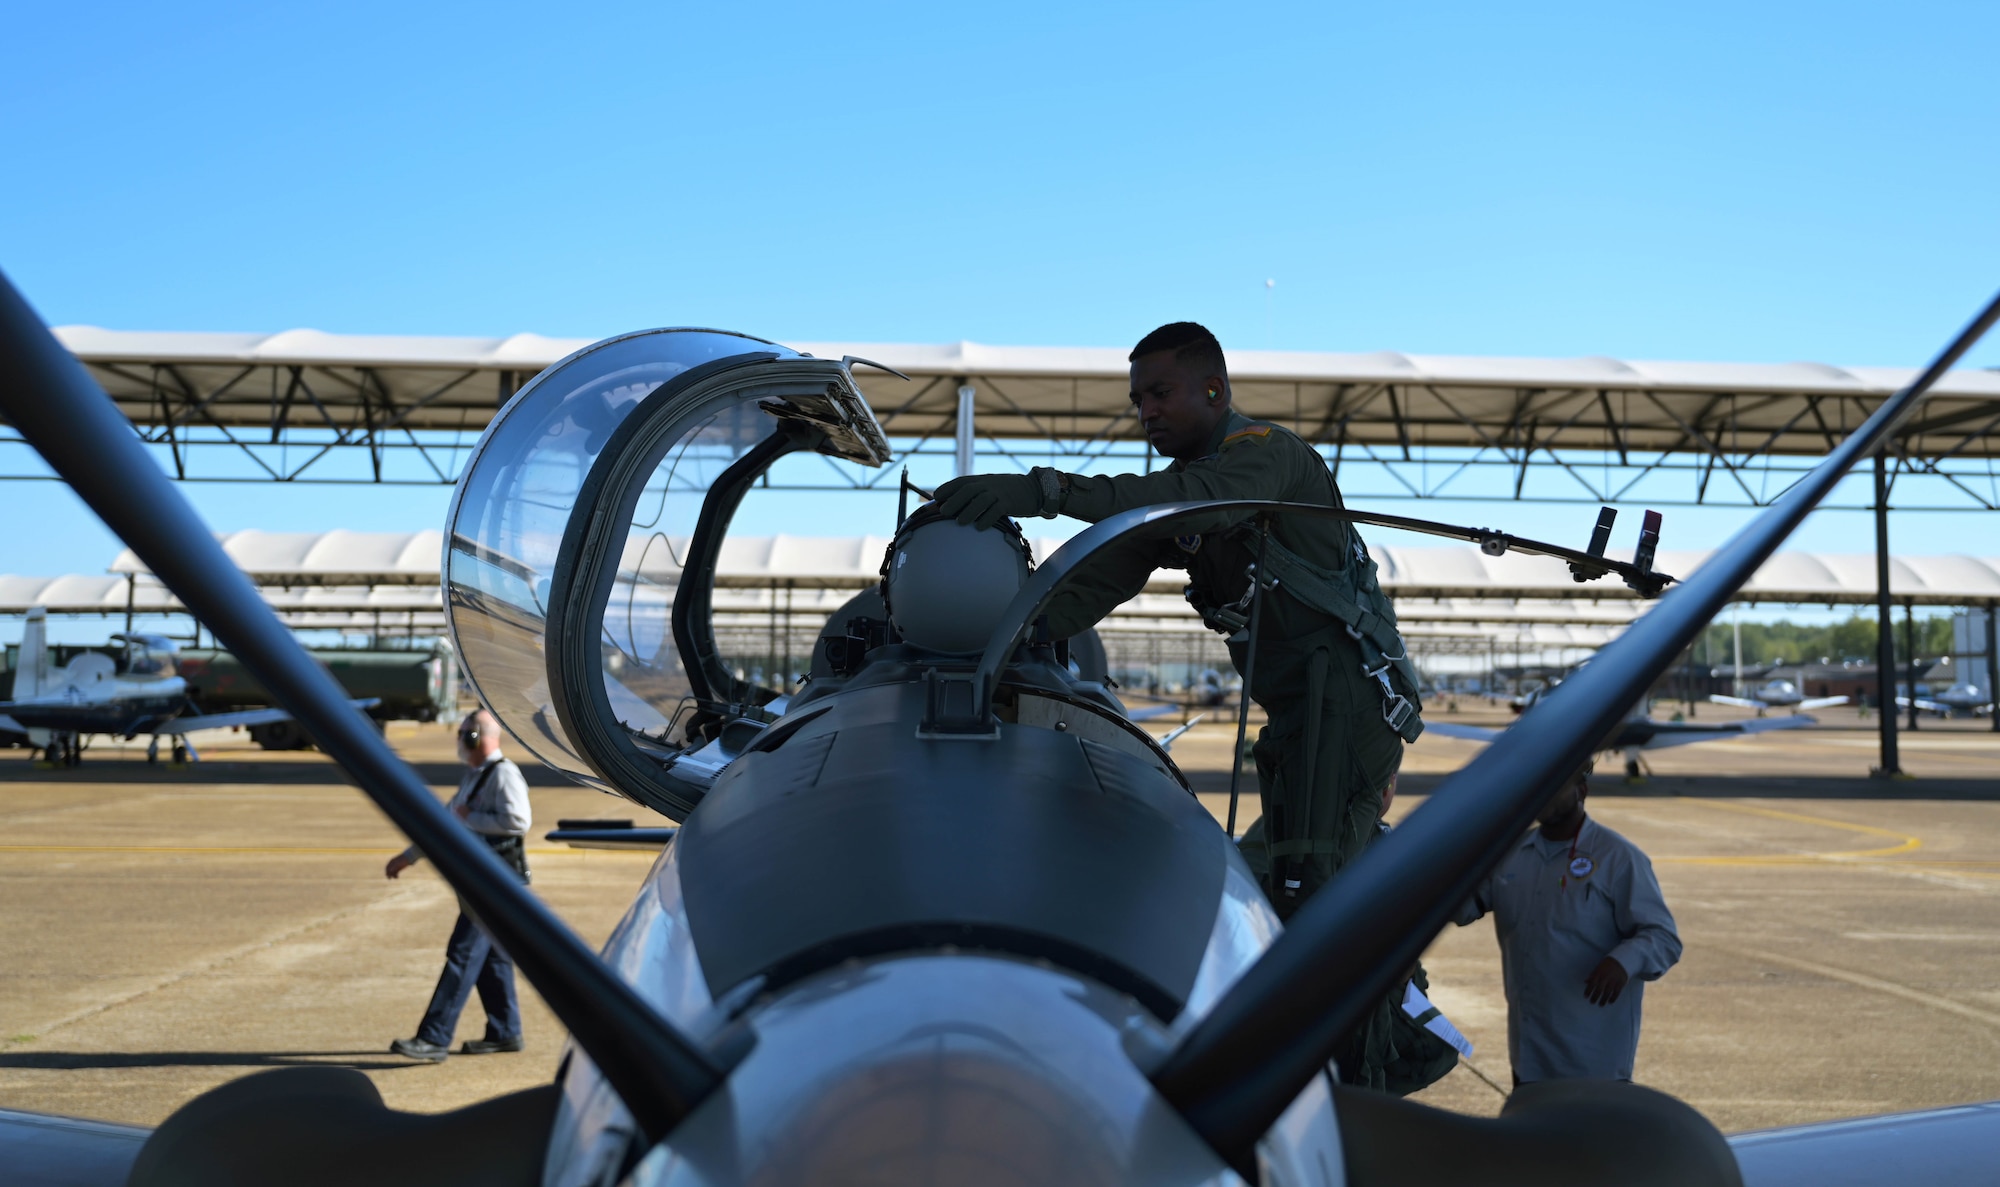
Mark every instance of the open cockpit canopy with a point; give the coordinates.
(153, 656)
(581, 543)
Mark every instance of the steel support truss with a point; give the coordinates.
(339, 423)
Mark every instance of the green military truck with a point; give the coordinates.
(411, 684)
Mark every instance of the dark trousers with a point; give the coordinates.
(472, 958)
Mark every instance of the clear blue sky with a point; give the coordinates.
(1758, 182)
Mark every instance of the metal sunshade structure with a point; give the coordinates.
(279, 406)
(303, 405)
(296, 560)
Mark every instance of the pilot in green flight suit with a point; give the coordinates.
(1340, 702)
(1327, 754)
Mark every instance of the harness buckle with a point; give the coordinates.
(1226, 620)
(1397, 711)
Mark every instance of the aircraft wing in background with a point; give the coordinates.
(1465, 733)
(1739, 702)
(1674, 733)
(1821, 703)
(1168, 739)
(187, 724)
(1659, 734)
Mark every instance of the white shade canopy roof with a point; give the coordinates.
(326, 558)
(365, 571)
(365, 384)
(532, 352)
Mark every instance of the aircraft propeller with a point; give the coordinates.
(46, 394)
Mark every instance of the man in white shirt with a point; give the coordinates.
(492, 800)
(1582, 926)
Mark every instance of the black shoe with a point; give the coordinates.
(418, 1049)
(488, 1046)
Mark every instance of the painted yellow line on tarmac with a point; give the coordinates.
(1864, 981)
(1905, 842)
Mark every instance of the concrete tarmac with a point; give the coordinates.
(168, 930)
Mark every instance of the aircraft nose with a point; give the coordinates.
(918, 1070)
(947, 1110)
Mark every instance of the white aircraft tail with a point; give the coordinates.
(31, 675)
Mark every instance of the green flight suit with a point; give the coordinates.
(1319, 808)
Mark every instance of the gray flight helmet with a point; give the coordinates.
(946, 583)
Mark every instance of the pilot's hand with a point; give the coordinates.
(398, 864)
(983, 500)
(1605, 982)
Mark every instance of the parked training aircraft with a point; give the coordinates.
(1636, 733)
(944, 915)
(1959, 698)
(1208, 690)
(1779, 694)
(139, 692)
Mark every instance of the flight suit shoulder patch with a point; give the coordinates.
(1256, 433)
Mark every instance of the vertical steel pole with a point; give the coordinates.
(1993, 661)
(1736, 634)
(1910, 656)
(771, 679)
(786, 669)
(966, 392)
(1885, 626)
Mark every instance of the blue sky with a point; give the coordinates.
(1758, 182)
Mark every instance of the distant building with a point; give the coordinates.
(1856, 679)
(1968, 642)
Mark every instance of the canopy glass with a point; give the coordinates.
(592, 507)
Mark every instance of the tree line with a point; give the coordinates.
(1799, 643)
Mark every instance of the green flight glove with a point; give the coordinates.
(985, 499)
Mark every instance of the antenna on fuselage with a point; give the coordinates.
(903, 497)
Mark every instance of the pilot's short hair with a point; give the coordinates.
(1191, 343)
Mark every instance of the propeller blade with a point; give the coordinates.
(661, 1074)
(1238, 1069)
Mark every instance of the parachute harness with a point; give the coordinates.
(1345, 595)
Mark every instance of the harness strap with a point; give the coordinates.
(512, 848)
(1289, 879)
(1380, 644)
(1320, 590)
